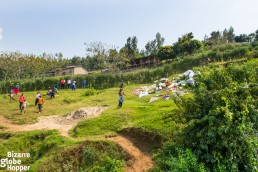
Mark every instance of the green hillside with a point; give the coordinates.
(209, 126)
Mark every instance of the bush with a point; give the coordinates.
(222, 118)
(175, 159)
(101, 156)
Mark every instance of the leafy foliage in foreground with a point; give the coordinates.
(51, 152)
(37, 143)
(93, 156)
(222, 121)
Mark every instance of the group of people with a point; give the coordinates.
(14, 90)
(52, 91)
(72, 84)
(38, 101)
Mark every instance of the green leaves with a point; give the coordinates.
(222, 118)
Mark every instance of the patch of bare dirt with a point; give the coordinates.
(139, 161)
(62, 124)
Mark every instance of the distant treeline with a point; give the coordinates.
(99, 56)
(226, 52)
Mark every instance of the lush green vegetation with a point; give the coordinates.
(214, 128)
(93, 156)
(48, 148)
(221, 123)
(16, 66)
(223, 53)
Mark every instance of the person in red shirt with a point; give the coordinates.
(21, 100)
(62, 83)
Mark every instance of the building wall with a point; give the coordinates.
(80, 70)
(69, 71)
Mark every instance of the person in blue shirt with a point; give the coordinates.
(84, 83)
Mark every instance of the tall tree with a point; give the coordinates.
(256, 35)
(231, 34)
(153, 46)
(242, 38)
(251, 37)
(166, 52)
(160, 40)
(186, 45)
(99, 50)
(132, 49)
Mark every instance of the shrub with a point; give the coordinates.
(222, 118)
(175, 159)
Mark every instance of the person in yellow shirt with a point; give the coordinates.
(40, 103)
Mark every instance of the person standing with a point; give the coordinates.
(74, 85)
(121, 97)
(21, 100)
(69, 83)
(84, 83)
(53, 92)
(12, 87)
(62, 83)
(11, 95)
(17, 88)
(40, 103)
(37, 98)
(24, 105)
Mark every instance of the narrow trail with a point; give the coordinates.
(138, 160)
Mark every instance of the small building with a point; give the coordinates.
(145, 61)
(69, 70)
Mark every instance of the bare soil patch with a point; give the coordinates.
(138, 161)
(62, 123)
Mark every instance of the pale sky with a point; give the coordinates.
(53, 26)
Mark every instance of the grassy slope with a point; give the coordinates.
(135, 111)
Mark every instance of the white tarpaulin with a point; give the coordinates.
(189, 73)
(190, 81)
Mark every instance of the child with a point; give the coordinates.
(11, 95)
(40, 103)
(21, 100)
(121, 97)
(24, 104)
(37, 98)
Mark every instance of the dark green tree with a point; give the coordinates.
(242, 38)
(153, 46)
(256, 35)
(231, 34)
(166, 53)
(186, 45)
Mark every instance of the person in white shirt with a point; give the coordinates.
(69, 83)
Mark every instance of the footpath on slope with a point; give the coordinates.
(138, 161)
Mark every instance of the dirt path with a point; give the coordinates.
(138, 161)
(62, 124)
